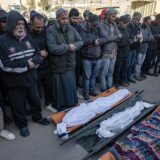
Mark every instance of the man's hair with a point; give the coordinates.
(136, 14)
(38, 16)
(145, 19)
(158, 16)
(74, 12)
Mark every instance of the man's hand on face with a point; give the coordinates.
(44, 53)
(31, 64)
(72, 47)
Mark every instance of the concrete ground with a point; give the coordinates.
(42, 144)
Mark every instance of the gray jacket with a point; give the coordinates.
(109, 49)
(61, 59)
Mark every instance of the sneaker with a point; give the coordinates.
(131, 80)
(7, 135)
(43, 121)
(24, 132)
(137, 78)
(51, 109)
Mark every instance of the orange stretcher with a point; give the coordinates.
(58, 117)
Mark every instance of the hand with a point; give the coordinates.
(97, 42)
(44, 53)
(72, 47)
(31, 64)
(120, 35)
(139, 37)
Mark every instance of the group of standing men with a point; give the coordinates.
(116, 51)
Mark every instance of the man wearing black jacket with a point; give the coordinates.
(120, 72)
(19, 58)
(134, 29)
(73, 19)
(44, 76)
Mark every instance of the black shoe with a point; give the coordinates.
(116, 84)
(24, 132)
(43, 121)
(137, 78)
(94, 93)
(149, 74)
(156, 74)
(131, 80)
(124, 84)
(143, 76)
(86, 97)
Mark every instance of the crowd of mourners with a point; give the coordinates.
(52, 59)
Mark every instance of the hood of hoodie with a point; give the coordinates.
(3, 14)
(13, 18)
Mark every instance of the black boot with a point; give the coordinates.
(86, 96)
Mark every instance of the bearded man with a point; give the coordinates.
(63, 41)
(19, 58)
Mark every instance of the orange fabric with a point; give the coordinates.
(108, 156)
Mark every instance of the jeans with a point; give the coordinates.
(131, 62)
(138, 64)
(90, 72)
(106, 73)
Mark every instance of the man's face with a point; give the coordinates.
(74, 20)
(3, 24)
(112, 17)
(19, 29)
(137, 20)
(38, 25)
(86, 18)
(148, 22)
(63, 19)
(158, 21)
(123, 24)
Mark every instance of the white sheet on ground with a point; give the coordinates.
(120, 120)
(86, 111)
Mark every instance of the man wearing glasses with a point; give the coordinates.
(19, 58)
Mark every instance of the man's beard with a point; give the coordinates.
(74, 24)
(37, 32)
(64, 27)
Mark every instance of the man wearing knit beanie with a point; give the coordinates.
(63, 41)
(109, 49)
